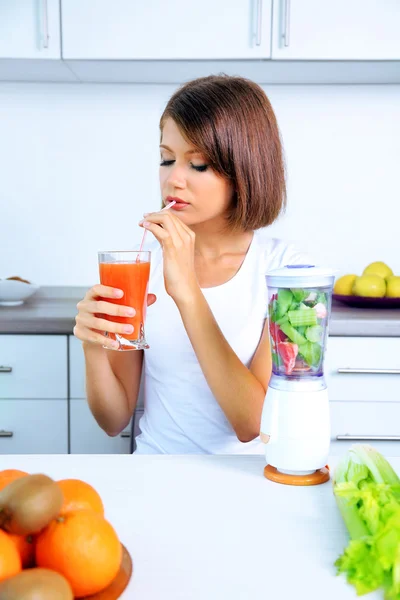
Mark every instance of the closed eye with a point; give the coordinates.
(199, 168)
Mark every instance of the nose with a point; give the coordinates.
(176, 177)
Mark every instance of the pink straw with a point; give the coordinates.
(145, 231)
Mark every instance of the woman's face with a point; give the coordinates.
(186, 177)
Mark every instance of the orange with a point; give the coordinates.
(25, 544)
(10, 560)
(82, 546)
(9, 475)
(79, 495)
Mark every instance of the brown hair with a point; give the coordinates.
(231, 121)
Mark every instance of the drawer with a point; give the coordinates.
(363, 369)
(77, 371)
(34, 426)
(87, 437)
(374, 423)
(33, 366)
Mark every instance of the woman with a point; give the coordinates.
(207, 370)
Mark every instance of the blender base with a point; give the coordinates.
(315, 478)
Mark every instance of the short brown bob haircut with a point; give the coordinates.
(231, 121)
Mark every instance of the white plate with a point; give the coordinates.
(13, 293)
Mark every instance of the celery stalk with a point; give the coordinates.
(367, 492)
(298, 318)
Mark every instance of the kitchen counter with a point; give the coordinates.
(53, 310)
(212, 526)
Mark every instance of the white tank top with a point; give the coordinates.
(181, 415)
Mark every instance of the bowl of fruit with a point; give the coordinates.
(376, 287)
(15, 290)
(55, 541)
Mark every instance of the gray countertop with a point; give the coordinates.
(53, 310)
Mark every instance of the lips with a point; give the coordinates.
(177, 200)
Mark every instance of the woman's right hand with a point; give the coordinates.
(90, 324)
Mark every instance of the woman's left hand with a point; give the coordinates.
(177, 242)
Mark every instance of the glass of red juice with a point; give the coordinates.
(128, 271)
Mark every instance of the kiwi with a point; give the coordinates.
(36, 584)
(29, 503)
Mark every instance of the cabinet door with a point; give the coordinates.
(33, 426)
(374, 423)
(122, 29)
(30, 29)
(87, 437)
(340, 30)
(363, 369)
(33, 366)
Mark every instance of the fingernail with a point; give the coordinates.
(146, 214)
(131, 312)
(128, 329)
(118, 293)
(146, 224)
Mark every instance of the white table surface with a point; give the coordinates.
(212, 527)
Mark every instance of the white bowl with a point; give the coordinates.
(13, 292)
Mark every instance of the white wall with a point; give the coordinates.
(79, 166)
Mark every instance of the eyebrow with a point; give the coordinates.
(188, 152)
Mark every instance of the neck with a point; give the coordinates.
(213, 240)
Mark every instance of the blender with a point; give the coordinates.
(295, 424)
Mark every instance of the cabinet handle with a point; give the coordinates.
(286, 32)
(5, 369)
(370, 371)
(6, 433)
(126, 434)
(379, 438)
(45, 25)
(259, 22)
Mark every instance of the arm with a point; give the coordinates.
(238, 390)
(112, 386)
(112, 378)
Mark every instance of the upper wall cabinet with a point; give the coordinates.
(30, 29)
(178, 29)
(339, 30)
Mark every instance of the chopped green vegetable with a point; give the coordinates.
(285, 298)
(311, 353)
(367, 492)
(299, 294)
(314, 333)
(293, 334)
(299, 318)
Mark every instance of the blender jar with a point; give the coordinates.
(298, 325)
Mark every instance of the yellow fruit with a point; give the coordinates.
(344, 285)
(370, 286)
(393, 286)
(378, 268)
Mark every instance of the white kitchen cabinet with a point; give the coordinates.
(33, 366)
(340, 30)
(363, 378)
(363, 369)
(374, 423)
(33, 426)
(30, 29)
(121, 29)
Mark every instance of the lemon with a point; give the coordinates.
(344, 285)
(371, 286)
(378, 268)
(393, 286)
